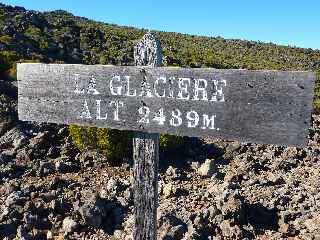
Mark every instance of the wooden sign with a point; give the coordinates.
(257, 106)
(252, 106)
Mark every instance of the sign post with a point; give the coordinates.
(147, 52)
(271, 107)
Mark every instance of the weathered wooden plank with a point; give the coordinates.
(252, 106)
(146, 155)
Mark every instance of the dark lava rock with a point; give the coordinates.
(66, 167)
(22, 233)
(7, 230)
(175, 233)
(5, 125)
(93, 211)
(60, 206)
(15, 198)
(232, 205)
(8, 88)
(262, 217)
(31, 220)
(45, 169)
(25, 155)
(4, 158)
(171, 227)
(58, 183)
(39, 141)
(53, 152)
(16, 137)
(86, 158)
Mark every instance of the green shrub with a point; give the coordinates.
(169, 142)
(33, 32)
(7, 60)
(114, 144)
(5, 39)
(2, 14)
(43, 44)
(316, 106)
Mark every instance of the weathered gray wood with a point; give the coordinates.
(260, 106)
(145, 173)
(146, 155)
(148, 51)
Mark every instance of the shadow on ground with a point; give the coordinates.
(193, 150)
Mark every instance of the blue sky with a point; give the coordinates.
(285, 22)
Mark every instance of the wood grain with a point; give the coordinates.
(145, 173)
(146, 155)
(260, 106)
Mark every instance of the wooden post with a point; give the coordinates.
(147, 52)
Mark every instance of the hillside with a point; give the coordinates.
(61, 37)
(209, 189)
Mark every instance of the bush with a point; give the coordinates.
(33, 32)
(2, 14)
(170, 142)
(5, 39)
(7, 60)
(113, 144)
(316, 106)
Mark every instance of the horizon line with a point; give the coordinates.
(135, 26)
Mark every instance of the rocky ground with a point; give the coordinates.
(209, 189)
